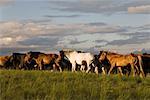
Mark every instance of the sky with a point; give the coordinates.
(121, 26)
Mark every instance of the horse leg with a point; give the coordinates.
(60, 69)
(96, 70)
(54, 67)
(89, 68)
(73, 67)
(40, 66)
(120, 71)
(103, 70)
(82, 68)
(137, 69)
(133, 71)
(140, 64)
(111, 68)
(141, 69)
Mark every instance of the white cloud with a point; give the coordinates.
(139, 9)
(6, 40)
(22, 34)
(103, 29)
(15, 34)
(89, 40)
(128, 48)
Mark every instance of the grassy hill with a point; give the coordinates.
(45, 85)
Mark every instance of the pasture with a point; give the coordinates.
(46, 85)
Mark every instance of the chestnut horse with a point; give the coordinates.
(119, 61)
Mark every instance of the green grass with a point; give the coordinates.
(45, 85)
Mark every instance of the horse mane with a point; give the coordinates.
(146, 54)
(108, 52)
(35, 52)
(112, 53)
(18, 53)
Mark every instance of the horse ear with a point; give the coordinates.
(105, 53)
(100, 53)
(27, 53)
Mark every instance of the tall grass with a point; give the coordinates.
(45, 85)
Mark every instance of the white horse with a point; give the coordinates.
(77, 58)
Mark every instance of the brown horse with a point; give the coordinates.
(139, 64)
(119, 61)
(4, 62)
(42, 59)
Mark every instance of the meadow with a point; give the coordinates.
(46, 85)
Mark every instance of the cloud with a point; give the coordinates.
(140, 9)
(10, 50)
(127, 48)
(96, 24)
(98, 6)
(135, 41)
(135, 38)
(103, 29)
(51, 36)
(145, 27)
(40, 41)
(5, 2)
(59, 16)
(85, 41)
(6, 40)
(77, 42)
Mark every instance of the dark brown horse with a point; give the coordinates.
(42, 59)
(146, 63)
(18, 61)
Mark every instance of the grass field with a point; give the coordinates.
(45, 85)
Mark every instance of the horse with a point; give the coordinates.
(79, 58)
(100, 65)
(4, 62)
(18, 61)
(42, 60)
(139, 64)
(119, 61)
(146, 63)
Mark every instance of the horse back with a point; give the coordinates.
(121, 59)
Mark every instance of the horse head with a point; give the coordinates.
(102, 56)
(65, 54)
(28, 57)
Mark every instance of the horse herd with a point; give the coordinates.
(105, 62)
